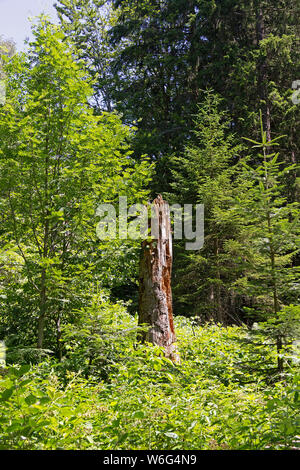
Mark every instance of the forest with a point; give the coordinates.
(115, 342)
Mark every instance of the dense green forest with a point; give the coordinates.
(193, 100)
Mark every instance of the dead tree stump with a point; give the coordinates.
(155, 294)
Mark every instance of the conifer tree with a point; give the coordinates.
(205, 175)
(268, 240)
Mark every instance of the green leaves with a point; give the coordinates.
(6, 394)
(209, 401)
(139, 415)
(31, 399)
(22, 371)
(65, 162)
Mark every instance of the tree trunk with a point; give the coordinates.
(41, 319)
(155, 295)
(263, 76)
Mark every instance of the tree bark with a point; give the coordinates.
(41, 319)
(263, 75)
(155, 294)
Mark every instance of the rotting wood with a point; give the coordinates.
(155, 294)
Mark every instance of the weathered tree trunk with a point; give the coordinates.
(155, 295)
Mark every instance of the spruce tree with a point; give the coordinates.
(205, 175)
(268, 240)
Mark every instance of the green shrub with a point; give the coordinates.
(150, 403)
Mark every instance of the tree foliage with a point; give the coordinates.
(58, 162)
